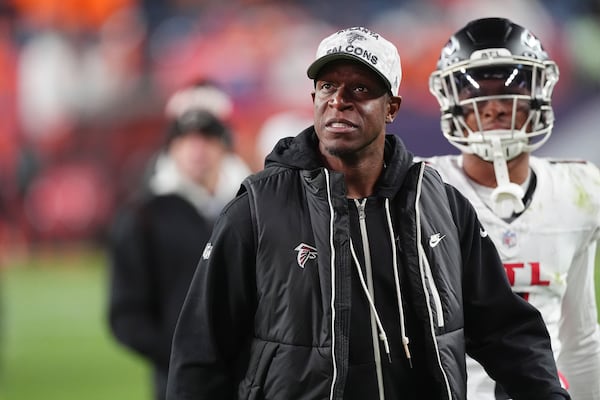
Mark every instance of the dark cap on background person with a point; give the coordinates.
(362, 45)
(199, 122)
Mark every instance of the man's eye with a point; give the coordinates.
(469, 92)
(516, 90)
(360, 89)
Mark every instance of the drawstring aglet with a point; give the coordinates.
(407, 351)
(386, 345)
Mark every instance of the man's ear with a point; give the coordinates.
(394, 107)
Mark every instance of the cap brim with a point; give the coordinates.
(317, 65)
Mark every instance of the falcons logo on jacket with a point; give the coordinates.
(305, 253)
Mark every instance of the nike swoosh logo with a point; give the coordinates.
(435, 239)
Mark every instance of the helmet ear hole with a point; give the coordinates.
(537, 104)
(457, 111)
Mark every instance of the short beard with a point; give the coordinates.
(348, 156)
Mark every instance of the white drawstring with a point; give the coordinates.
(405, 339)
(382, 335)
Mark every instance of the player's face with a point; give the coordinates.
(351, 108)
(494, 113)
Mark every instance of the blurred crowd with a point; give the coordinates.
(83, 86)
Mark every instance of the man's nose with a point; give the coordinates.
(340, 99)
(494, 107)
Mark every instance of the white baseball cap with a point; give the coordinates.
(363, 45)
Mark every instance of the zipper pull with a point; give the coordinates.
(360, 206)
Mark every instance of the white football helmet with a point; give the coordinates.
(495, 48)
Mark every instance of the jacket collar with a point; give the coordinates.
(301, 152)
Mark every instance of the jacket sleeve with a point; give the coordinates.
(216, 320)
(503, 332)
(132, 310)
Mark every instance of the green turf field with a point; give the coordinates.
(55, 344)
(54, 340)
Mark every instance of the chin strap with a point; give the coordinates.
(507, 197)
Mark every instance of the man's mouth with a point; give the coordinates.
(340, 124)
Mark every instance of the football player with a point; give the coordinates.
(494, 84)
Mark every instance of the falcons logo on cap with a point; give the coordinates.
(305, 253)
(353, 36)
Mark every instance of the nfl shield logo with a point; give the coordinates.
(509, 239)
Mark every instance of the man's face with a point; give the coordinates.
(496, 113)
(351, 108)
(198, 156)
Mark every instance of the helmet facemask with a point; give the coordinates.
(524, 87)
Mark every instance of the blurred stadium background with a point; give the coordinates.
(82, 89)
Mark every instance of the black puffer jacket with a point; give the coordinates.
(272, 312)
(154, 250)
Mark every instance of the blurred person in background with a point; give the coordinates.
(278, 126)
(157, 240)
(494, 82)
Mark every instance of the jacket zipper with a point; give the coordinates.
(437, 302)
(332, 268)
(362, 217)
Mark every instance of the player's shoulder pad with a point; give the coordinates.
(426, 160)
(574, 164)
(567, 161)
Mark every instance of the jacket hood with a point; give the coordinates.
(301, 152)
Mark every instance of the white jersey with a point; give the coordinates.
(548, 254)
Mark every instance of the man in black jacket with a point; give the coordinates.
(344, 270)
